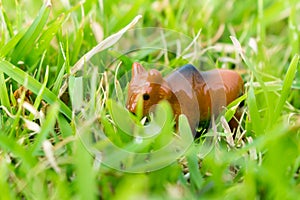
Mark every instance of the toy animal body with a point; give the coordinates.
(196, 94)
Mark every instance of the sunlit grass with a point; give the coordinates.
(47, 47)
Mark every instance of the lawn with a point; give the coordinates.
(65, 132)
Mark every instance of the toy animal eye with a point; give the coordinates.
(146, 96)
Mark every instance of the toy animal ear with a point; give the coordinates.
(137, 69)
(155, 76)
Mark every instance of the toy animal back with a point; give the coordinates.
(196, 94)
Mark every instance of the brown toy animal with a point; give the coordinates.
(196, 94)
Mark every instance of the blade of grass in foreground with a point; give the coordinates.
(196, 177)
(253, 111)
(3, 91)
(11, 43)
(293, 30)
(8, 24)
(19, 76)
(10, 145)
(85, 174)
(65, 129)
(5, 183)
(286, 87)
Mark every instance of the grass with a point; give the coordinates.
(57, 142)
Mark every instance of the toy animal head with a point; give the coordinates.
(148, 87)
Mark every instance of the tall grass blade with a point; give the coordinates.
(3, 91)
(255, 118)
(28, 40)
(196, 177)
(85, 175)
(293, 27)
(39, 96)
(45, 39)
(286, 87)
(7, 22)
(4, 182)
(10, 45)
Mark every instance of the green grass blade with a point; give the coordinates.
(233, 107)
(3, 91)
(4, 182)
(46, 128)
(65, 129)
(18, 115)
(19, 76)
(45, 39)
(29, 38)
(287, 84)
(293, 30)
(58, 81)
(261, 22)
(39, 96)
(11, 44)
(77, 43)
(40, 67)
(192, 161)
(253, 111)
(85, 175)
(7, 22)
(124, 19)
(258, 77)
